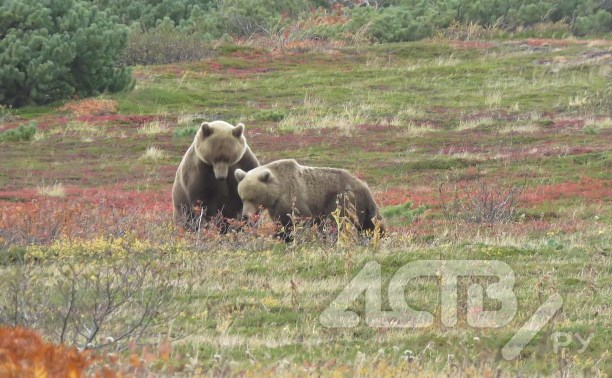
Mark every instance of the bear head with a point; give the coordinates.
(257, 188)
(221, 145)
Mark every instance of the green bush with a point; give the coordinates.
(163, 44)
(389, 21)
(270, 115)
(404, 212)
(393, 24)
(595, 23)
(21, 133)
(186, 131)
(408, 20)
(52, 50)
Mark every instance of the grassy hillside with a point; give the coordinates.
(86, 240)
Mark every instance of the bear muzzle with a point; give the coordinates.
(221, 170)
(249, 210)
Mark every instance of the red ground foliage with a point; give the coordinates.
(23, 353)
(124, 120)
(90, 107)
(418, 196)
(27, 217)
(586, 188)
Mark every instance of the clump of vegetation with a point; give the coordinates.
(54, 190)
(154, 153)
(405, 212)
(482, 202)
(6, 113)
(23, 133)
(94, 294)
(58, 49)
(163, 33)
(90, 107)
(25, 353)
(270, 115)
(185, 131)
(163, 44)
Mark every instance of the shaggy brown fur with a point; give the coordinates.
(284, 187)
(206, 177)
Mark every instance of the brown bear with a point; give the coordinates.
(205, 176)
(284, 187)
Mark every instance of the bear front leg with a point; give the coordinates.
(185, 217)
(285, 229)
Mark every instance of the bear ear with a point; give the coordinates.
(239, 174)
(238, 130)
(206, 130)
(265, 176)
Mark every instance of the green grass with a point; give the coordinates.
(412, 120)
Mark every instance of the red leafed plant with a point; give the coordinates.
(90, 107)
(23, 353)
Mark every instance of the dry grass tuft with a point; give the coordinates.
(55, 190)
(154, 153)
(520, 129)
(474, 123)
(152, 128)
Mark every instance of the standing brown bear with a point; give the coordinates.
(284, 188)
(205, 177)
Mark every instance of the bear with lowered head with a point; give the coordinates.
(284, 187)
(205, 176)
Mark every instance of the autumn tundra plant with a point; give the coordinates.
(23, 353)
(97, 294)
(22, 133)
(482, 201)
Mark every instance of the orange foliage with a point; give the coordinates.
(23, 353)
(82, 213)
(90, 107)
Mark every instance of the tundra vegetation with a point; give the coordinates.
(479, 142)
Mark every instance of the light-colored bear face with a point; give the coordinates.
(221, 145)
(257, 188)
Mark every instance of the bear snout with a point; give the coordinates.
(221, 170)
(249, 210)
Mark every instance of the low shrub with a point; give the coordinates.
(186, 131)
(98, 293)
(23, 133)
(23, 353)
(163, 44)
(482, 202)
(270, 115)
(403, 212)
